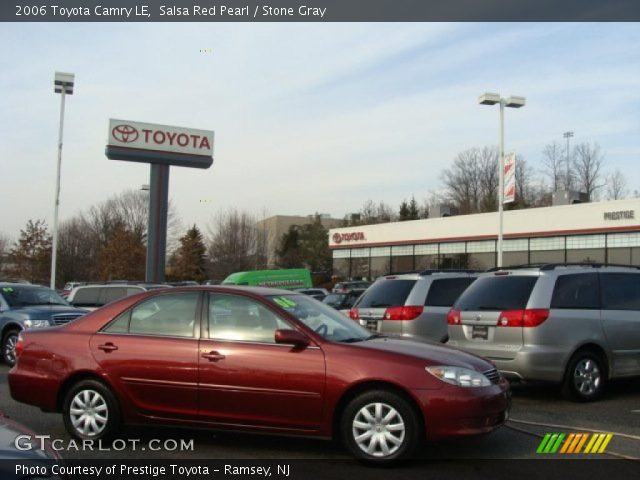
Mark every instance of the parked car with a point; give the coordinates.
(287, 278)
(412, 305)
(91, 297)
(24, 306)
(576, 325)
(257, 359)
(345, 287)
(317, 293)
(14, 435)
(66, 290)
(343, 301)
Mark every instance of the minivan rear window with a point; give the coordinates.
(497, 293)
(444, 292)
(386, 293)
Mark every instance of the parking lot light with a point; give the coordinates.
(512, 102)
(62, 84)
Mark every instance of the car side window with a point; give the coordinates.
(232, 317)
(172, 315)
(120, 324)
(113, 294)
(87, 297)
(620, 291)
(578, 291)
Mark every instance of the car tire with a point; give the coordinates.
(585, 377)
(90, 411)
(9, 347)
(365, 427)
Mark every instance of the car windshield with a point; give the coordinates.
(335, 299)
(329, 323)
(17, 296)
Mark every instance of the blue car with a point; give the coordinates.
(25, 307)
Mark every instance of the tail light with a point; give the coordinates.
(354, 314)
(453, 317)
(403, 313)
(530, 317)
(19, 346)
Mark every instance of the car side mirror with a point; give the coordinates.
(291, 337)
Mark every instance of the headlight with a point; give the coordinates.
(36, 323)
(463, 377)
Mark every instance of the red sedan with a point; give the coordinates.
(254, 359)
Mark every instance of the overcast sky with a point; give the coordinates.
(307, 117)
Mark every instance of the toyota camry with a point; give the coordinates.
(256, 359)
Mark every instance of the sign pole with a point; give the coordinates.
(157, 235)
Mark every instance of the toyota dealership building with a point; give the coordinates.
(607, 232)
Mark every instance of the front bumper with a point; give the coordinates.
(458, 411)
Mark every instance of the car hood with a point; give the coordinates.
(42, 311)
(9, 430)
(432, 353)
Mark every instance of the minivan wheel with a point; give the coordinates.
(380, 426)
(9, 342)
(585, 377)
(90, 411)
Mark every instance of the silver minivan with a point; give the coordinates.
(576, 325)
(412, 305)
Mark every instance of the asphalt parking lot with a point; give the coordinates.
(536, 410)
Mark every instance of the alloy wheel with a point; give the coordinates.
(10, 349)
(378, 429)
(586, 377)
(89, 413)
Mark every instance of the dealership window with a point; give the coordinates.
(484, 246)
(585, 242)
(428, 249)
(343, 253)
(619, 255)
(454, 247)
(359, 268)
(515, 245)
(515, 258)
(548, 243)
(623, 239)
(548, 256)
(341, 267)
(635, 256)
(380, 266)
(402, 258)
(586, 255)
(424, 262)
(360, 252)
(455, 260)
(481, 261)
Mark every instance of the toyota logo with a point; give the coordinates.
(337, 238)
(125, 133)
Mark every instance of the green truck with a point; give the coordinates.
(288, 279)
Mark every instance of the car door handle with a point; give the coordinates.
(213, 356)
(108, 347)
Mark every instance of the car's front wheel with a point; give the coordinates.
(9, 342)
(380, 426)
(90, 411)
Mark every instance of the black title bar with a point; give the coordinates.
(320, 11)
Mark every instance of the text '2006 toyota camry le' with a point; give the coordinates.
(256, 359)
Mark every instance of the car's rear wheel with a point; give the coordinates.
(380, 426)
(90, 411)
(9, 342)
(585, 377)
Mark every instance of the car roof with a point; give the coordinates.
(576, 267)
(22, 285)
(260, 291)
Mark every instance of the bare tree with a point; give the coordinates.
(616, 185)
(5, 242)
(554, 163)
(528, 190)
(235, 243)
(472, 181)
(587, 166)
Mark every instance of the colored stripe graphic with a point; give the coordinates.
(574, 443)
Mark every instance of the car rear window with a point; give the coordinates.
(386, 293)
(497, 293)
(576, 291)
(87, 297)
(444, 292)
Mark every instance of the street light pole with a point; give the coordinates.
(513, 102)
(63, 84)
(568, 136)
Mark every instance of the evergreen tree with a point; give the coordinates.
(189, 259)
(30, 257)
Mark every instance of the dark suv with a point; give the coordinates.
(576, 325)
(29, 306)
(413, 304)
